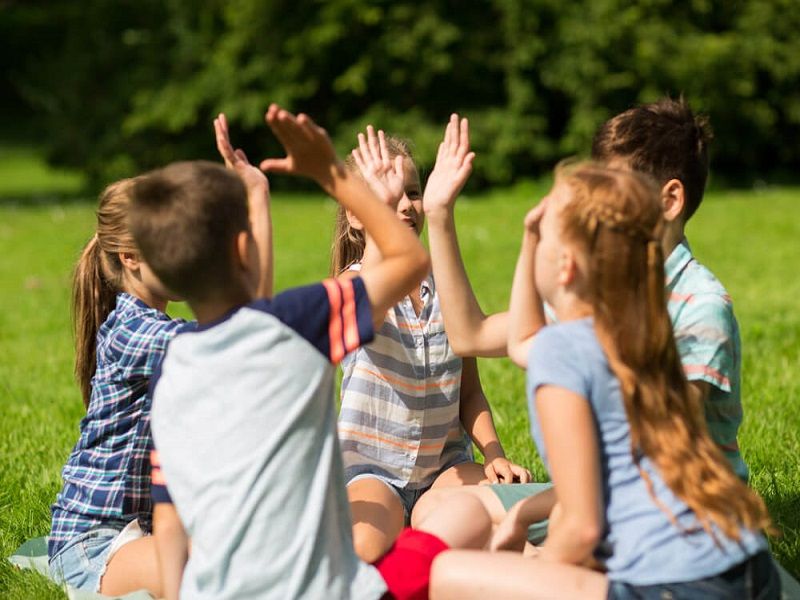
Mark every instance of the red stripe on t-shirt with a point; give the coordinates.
(335, 320)
(351, 337)
(708, 371)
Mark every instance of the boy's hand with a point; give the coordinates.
(384, 175)
(511, 533)
(309, 151)
(254, 180)
(502, 470)
(453, 167)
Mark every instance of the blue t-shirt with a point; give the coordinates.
(640, 545)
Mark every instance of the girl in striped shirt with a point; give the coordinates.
(410, 405)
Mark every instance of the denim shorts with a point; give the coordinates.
(408, 498)
(754, 579)
(81, 562)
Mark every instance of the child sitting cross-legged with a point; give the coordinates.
(641, 489)
(248, 466)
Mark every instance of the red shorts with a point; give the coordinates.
(406, 567)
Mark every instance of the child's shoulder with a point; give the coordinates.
(134, 321)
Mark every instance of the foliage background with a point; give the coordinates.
(114, 87)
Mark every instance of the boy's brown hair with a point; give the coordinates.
(185, 219)
(664, 139)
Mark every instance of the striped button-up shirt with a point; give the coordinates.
(707, 336)
(400, 399)
(107, 475)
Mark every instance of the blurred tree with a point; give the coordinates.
(121, 86)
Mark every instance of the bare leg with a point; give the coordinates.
(470, 574)
(431, 499)
(462, 523)
(133, 567)
(466, 473)
(378, 517)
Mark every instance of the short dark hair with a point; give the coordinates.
(185, 219)
(664, 139)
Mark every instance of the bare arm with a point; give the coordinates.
(310, 153)
(258, 200)
(576, 526)
(476, 417)
(172, 547)
(470, 331)
(526, 312)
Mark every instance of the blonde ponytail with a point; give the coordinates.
(98, 278)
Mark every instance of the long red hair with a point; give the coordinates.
(616, 219)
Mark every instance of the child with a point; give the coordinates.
(243, 415)
(406, 397)
(640, 486)
(100, 518)
(669, 142)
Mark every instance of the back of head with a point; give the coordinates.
(98, 278)
(349, 242)
(185, 219)
(664, 139)
(615, 218)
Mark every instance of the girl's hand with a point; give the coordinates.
(453, 167)
(384, 175)
(502, 470)
(534, 218)
(309, 151)
(254, 180)
(511, 533)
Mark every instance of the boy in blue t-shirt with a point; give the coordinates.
(248, 464)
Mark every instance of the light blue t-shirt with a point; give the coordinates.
(640, 546)
(245, 428)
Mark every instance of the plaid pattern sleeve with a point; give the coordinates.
(107, 475)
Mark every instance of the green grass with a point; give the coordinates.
(750, 240)
(24, 173)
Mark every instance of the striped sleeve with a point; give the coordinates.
(708, 341)
(334, 316)
(158, 483)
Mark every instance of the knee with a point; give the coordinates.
(426, 504)
(369, 547)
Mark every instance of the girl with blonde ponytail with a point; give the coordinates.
(101, 520)
(641, 489)
(121, 332)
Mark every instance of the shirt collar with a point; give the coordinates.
(680, 256)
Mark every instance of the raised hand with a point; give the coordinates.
(258, 201)
(309, 151)
(384, 175)
(253, 178)
(453, 167)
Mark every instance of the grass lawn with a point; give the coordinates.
(749, 239)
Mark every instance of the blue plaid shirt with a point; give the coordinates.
(107, 475)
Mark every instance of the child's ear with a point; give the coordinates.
(354, 222)
(673, 196)
(567, 267)
(243, 246)
(129, 260)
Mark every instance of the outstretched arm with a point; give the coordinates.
(470, 331)
(309, 153)
(476, 417)
(258, 200)
(526, 312)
